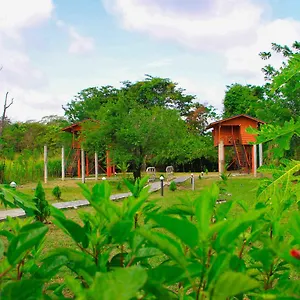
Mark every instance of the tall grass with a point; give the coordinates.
(29, 169)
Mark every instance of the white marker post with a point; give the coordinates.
(63, 163)
(45, 164)
(82, 166)
(96, 166)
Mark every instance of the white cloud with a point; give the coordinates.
(219, 25)
(235, 30)
(16, 14)
(19, 76)
(79, 44)
(159, 63)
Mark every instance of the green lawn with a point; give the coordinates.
(240, 188)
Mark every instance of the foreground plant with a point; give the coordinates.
(194, 249)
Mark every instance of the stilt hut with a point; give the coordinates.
(74, 157)
(231, 132)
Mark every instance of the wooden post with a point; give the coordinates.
(82, 166)
(62, 163)
(78, 163)
(254, 160)
(221, 157)
(45, 164)
(108, 165)
(87, 166)
(260, 155)
(96, 166)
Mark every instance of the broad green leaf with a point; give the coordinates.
(120, 230)
(265, 256)
(29, 236)
(231, 284)
(165, 274)
(101, 192)
(76, 261)
(234, 228)
(1, 248)
(159, 291)
(138, 202)
(204, 206)
(25, 289)
(182, 228)
(121, 284)
(147, 252)
(85, 191)
(218, 265)
(76, 232)
(167, 245)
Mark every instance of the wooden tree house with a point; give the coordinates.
(231, 132)
(74, 157)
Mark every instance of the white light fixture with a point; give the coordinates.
(161, 177)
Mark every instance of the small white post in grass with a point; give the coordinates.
(45, 164)
(221, 157)
(193, 182)
(63, 163)
(82, 166)
(254, 160)
(260, 154)
(96, 166)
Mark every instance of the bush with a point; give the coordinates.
(119, 186)
(173, 186)
(56, 192)
(41, 204)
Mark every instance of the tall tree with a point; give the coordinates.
(136, 134)
(282, 84)
(242, 99)
(87, 102)
(156, 91)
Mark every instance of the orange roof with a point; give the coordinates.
(234, 117)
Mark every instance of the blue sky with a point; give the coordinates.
(52, 49)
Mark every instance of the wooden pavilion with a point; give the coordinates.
(231, 132)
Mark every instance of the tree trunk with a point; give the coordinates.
(137, 172)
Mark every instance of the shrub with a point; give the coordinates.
(173, 186)
(41, 204)
(119, 186)
(56, 192)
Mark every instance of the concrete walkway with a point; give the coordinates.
(17, 212)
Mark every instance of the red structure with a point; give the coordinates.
(75, 156)
(231, 132)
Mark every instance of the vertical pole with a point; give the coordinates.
(108, 165)
(162, 187)
(96, 166)
(221, 157)
(87, 166)
(45, 164)
(62, 163)
(193, 182)
(82, 166)
(260, 155)
(78, 163)
(254, 160)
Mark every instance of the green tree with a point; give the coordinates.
(242, 99)
(87, 102)
(282, 85)
(156, 91)
(135, 134)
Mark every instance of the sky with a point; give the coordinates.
(52, 49)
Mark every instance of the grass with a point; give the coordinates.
(56, 238)
(236, 187)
